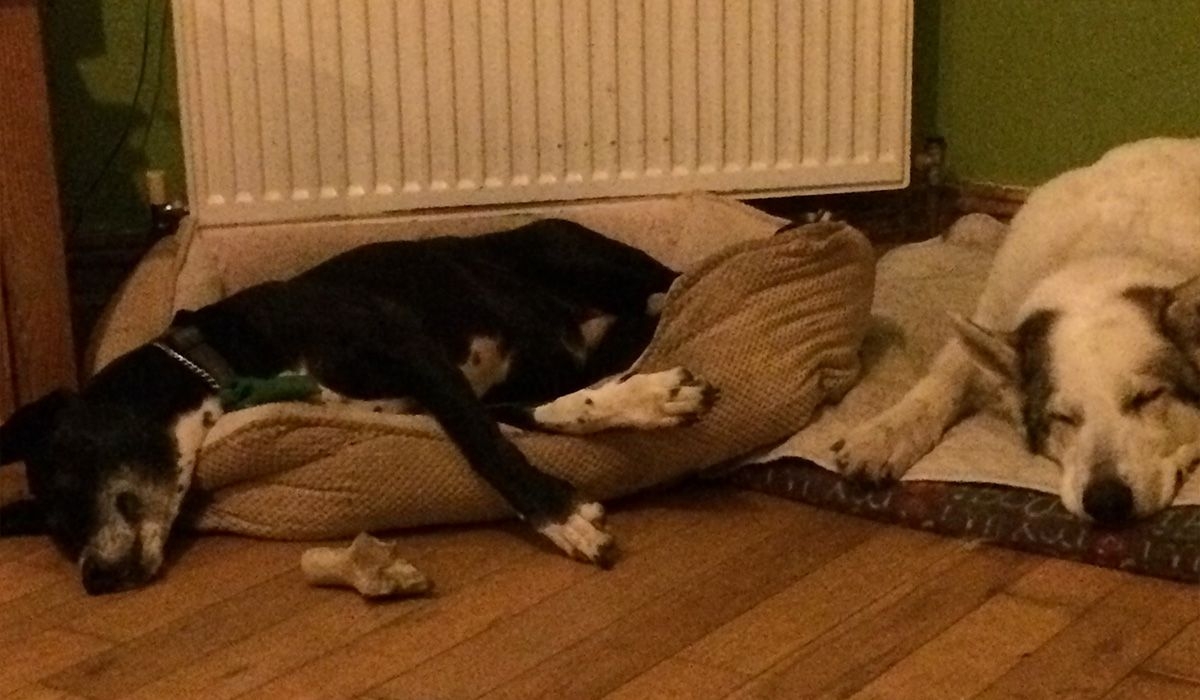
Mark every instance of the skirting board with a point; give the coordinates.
(1000, 201)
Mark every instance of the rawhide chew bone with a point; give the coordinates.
(370, 566)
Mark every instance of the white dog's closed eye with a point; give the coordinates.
(1146, 399)
(1065, 418)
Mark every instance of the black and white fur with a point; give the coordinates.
(512, 326)
(1089, 328)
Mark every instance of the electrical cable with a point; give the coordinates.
(154, 101)
(82, 205)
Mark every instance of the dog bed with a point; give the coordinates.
(979, 482)
(774, 321)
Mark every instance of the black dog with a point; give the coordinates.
(511, 326)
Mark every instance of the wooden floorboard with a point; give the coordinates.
(1149, 686)
(1104, 644)
(676, 678)
(719, 594)
(1181, 656)
(868, 643)
(375, 658)
(972, 653)
(615, 655)
(571, 616)
(893, 560)
(39, 692)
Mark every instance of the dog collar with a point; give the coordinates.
(187, 346)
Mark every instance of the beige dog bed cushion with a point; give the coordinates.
(775, 321)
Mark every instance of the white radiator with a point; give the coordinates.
(300, 109)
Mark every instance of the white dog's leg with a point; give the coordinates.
(884, 447)
(643, 401)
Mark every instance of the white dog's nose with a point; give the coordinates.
(1108, 500)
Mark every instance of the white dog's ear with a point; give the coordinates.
(994, 353)
(1182, 316)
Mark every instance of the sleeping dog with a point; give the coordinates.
(515, 326)
(1088, 330)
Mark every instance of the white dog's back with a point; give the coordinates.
(1140, 200)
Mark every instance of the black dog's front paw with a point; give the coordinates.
(580, 533)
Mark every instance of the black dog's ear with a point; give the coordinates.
(24, 517)
(26, 430)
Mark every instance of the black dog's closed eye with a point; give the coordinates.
(130, 507)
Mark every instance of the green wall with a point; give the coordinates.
(1020, 88)
(94, 52)
(1027, 88)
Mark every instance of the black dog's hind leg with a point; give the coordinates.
(415, 367)
(666, 399)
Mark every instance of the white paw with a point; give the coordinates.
(666, 399)
(641, 401)
(883, 448)
(582, 535)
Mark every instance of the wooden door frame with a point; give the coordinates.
(36, 350)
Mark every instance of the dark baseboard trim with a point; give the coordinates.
(1000, 201)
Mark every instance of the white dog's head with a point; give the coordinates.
(1107, 381)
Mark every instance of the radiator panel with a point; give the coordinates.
(299, 109)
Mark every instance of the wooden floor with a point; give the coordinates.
(719, 593)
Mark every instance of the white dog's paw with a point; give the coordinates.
(883, 449)
(581, 535)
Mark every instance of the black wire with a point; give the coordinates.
(81, 206)
(154, 101)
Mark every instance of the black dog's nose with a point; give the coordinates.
(1108, 500)
(99, 577)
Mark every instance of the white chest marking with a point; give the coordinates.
(488, 363)
(189, 431)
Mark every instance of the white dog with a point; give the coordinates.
(1089, 328)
